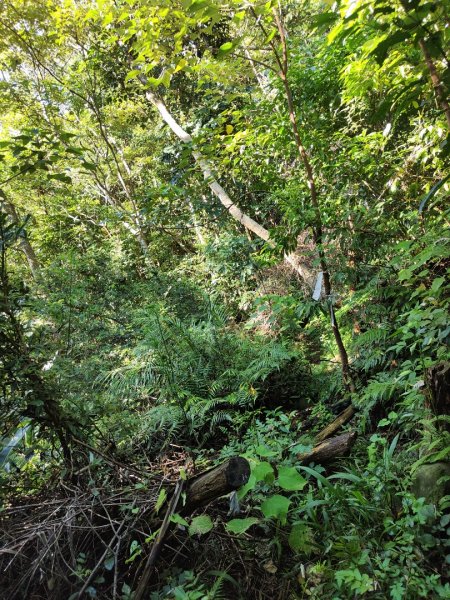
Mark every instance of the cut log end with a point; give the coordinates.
(238, 472)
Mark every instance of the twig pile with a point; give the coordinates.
(77, 538)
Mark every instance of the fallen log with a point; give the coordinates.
(329, 449)
(216, 482)
(340, 420)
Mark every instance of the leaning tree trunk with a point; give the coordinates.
(340, 420)
(305, 273)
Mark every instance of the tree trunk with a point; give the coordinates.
(436, 81)
(24, 244)
(438, 383)
(318, 232)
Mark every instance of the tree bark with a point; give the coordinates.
(328, 450)
(318, 232)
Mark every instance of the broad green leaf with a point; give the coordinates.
(132, 74)
(247, 487)
(263, 471)
(60, 177)
(225, 48)
(405, 274)
(437, 283)
(265, 452)
(276, 507)
(89, 166)
(240, 525)
(200, 525)
(290, 479)
(176, 518)
(161, 499)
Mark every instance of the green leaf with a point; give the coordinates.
(89, 166)
(290, 479)
(176, 518)
(405, 274)
(60, 177)
(247, 487)
(265, 452)
(324, 19)
(431, 193)
(161, 499)
(437, 283)
(381, 50)
(393, 445)
(132, 74)
(226, 48)
(200, 525)
(277, 507)
(347, 476)
(263, 471)
(152, 536)
(241, 525)
(271, 35)
(109, 563)
(323, 480)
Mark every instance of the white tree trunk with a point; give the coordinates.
(305, 273)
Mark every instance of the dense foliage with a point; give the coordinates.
(221, 224)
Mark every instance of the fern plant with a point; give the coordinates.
(192, 376)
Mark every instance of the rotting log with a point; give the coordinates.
(340, 420)
(216, 482)
(329, 449)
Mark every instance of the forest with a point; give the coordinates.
(224, 299)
